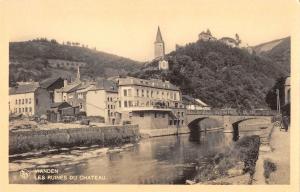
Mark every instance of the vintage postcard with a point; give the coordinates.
(138, 94)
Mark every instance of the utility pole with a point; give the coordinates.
(278, 101)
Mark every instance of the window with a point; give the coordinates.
(120, 104)
(26, 101)
(155, 115)
(182, 114)
(19, 101)
(108, 106)
(181, 122)
(125, 92)
(108, 112)
(137, 93)
(20, 110)
(107, 98)
(142, 92)
(151, 94)
(16, 101)
(22, 101)
(170, 122)
(29, 101)
(129, 92)
(25, 109)
(80, 105)
(125, 103)
(147, 93)
(111, 99)
(141, 114)
(130, 103)
(176, 105)
(30, 109)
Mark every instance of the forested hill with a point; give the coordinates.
(32, 56)
(220, 75)
(278, 51)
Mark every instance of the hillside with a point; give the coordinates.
(278, 51)
(30, 60)
(220, 75)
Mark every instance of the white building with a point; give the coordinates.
(101, 101)
(194, 104)
(29, 99)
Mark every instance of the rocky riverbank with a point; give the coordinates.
(234, 166)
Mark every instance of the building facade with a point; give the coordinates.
(102, 101)
(65, 64)
(140, 101)
(206, 36)
(29, 99)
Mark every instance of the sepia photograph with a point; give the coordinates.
(149, 92)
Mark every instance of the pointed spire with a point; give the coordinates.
(158, 36)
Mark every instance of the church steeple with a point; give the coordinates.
(158, 36)
(159, 45)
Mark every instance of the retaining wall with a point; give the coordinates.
(24, 141)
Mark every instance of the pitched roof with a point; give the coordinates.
(60, 105)
(158, 36)
(189, 99)
(70, 87)
(105, 84)
(24, 88)
(156, 83)
(48, 82)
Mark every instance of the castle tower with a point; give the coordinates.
(159, 46)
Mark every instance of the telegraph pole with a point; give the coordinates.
(278, 101)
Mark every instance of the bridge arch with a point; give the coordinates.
(205, 123)
(253, 125)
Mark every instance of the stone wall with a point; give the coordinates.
(24, 141)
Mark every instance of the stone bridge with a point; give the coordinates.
(258, 122)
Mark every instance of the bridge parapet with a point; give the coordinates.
(232, 112)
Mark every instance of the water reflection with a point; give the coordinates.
(161, 160)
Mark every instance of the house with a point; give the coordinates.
(101, 101)
(229, 41)
(206, 36)
(194, 104)
(29, 99)
(65, 64)
(141, 99)
(51, 84)
(58, 111)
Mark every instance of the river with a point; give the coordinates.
(160, 160)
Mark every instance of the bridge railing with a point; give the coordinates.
(233, 112)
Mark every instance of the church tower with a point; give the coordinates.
(159, 46)
(159, 51)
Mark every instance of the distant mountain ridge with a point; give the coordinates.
(278, 51)
(30, 60)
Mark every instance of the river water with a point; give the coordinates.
(160, 160)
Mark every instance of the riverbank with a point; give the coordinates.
(234, 166)
(25, 141)
(146, 133)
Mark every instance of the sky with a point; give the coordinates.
(128, 27)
